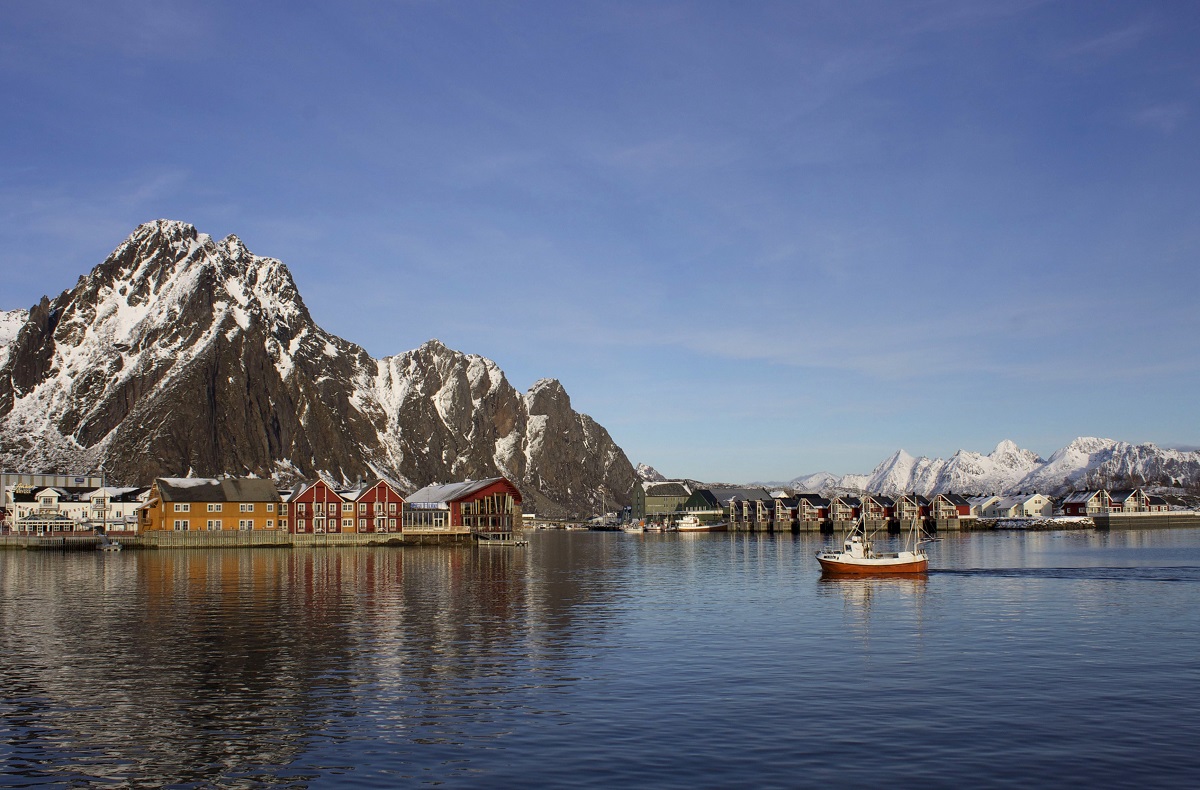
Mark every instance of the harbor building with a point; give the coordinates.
(197, 504)
(489, 509)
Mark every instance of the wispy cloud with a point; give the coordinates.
(1108, 44)
(1164, 118)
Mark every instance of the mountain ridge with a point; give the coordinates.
(1010, 469)
(180, 354)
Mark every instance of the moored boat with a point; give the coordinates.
(691, 523)
(858, 555)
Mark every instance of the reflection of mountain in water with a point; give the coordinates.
(186, 666)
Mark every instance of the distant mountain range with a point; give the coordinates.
(1087, 461)
(180, 354)
(1008, 469)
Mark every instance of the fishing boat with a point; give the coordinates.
(858, 555)
(690, 523)
(636, 527)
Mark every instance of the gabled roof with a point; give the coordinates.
(977, 501)
(451, 492)
(813, 499)
(1155, 499)
(669, 488)
(726, 495)
(853, 501)
(370, 485)
(881, 499)
(705, 496)
(1010, 501)
(227, 489)
(1122, 494)
(955, 499)
(1080, 497)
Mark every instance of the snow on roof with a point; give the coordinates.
(449, 492)
(1080, 496)
(229, 489)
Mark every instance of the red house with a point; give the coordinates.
(488, 508)
(316, 508)
(379, 508)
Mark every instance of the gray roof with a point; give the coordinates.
(449, 492)
(726, 495)
(228, 489)
(956, 499)
(1079, 496)
(667, 489)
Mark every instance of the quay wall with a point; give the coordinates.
(1170, 519)
(233, 539)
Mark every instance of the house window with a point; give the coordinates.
(378, 507)
(301, 507)
(362, 523)
(270, 523)
(392, 524)
(301, 525)
(181, 525)
(246, 507)
(319, 508)
(348, 523)
(391, 507)
(283, 523)
(182, 507)
(347, 507)
(214, 524)
(362, 507)
(246, 523)
(214, 507)
(270, 507)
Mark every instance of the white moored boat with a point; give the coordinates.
(858, 556)
(690, 523)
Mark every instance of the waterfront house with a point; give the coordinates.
(490, 508)
(86, 508)
(877, 507)
(1128, 500)
(812, 507)
(844, 507)
(198, 504)
(379, 507)
(785, 510)
(980, 504)
(910, 506)
(318, 508)
(1157, 504)
(1086, 503)
(949, 506)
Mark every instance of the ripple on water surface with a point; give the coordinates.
(592, 659)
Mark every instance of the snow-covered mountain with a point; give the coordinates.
(648, 474)
(183, 354)
(1009, 469)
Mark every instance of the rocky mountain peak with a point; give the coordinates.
(179, 354)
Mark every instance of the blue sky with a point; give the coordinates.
(753, 240)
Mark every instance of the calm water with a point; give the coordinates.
(597, 659)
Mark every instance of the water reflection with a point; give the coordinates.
(182, 666)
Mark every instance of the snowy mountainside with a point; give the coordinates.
(183, 354)
(1010, 469)
(648, 474)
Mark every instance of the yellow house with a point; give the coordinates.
(197, 504)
